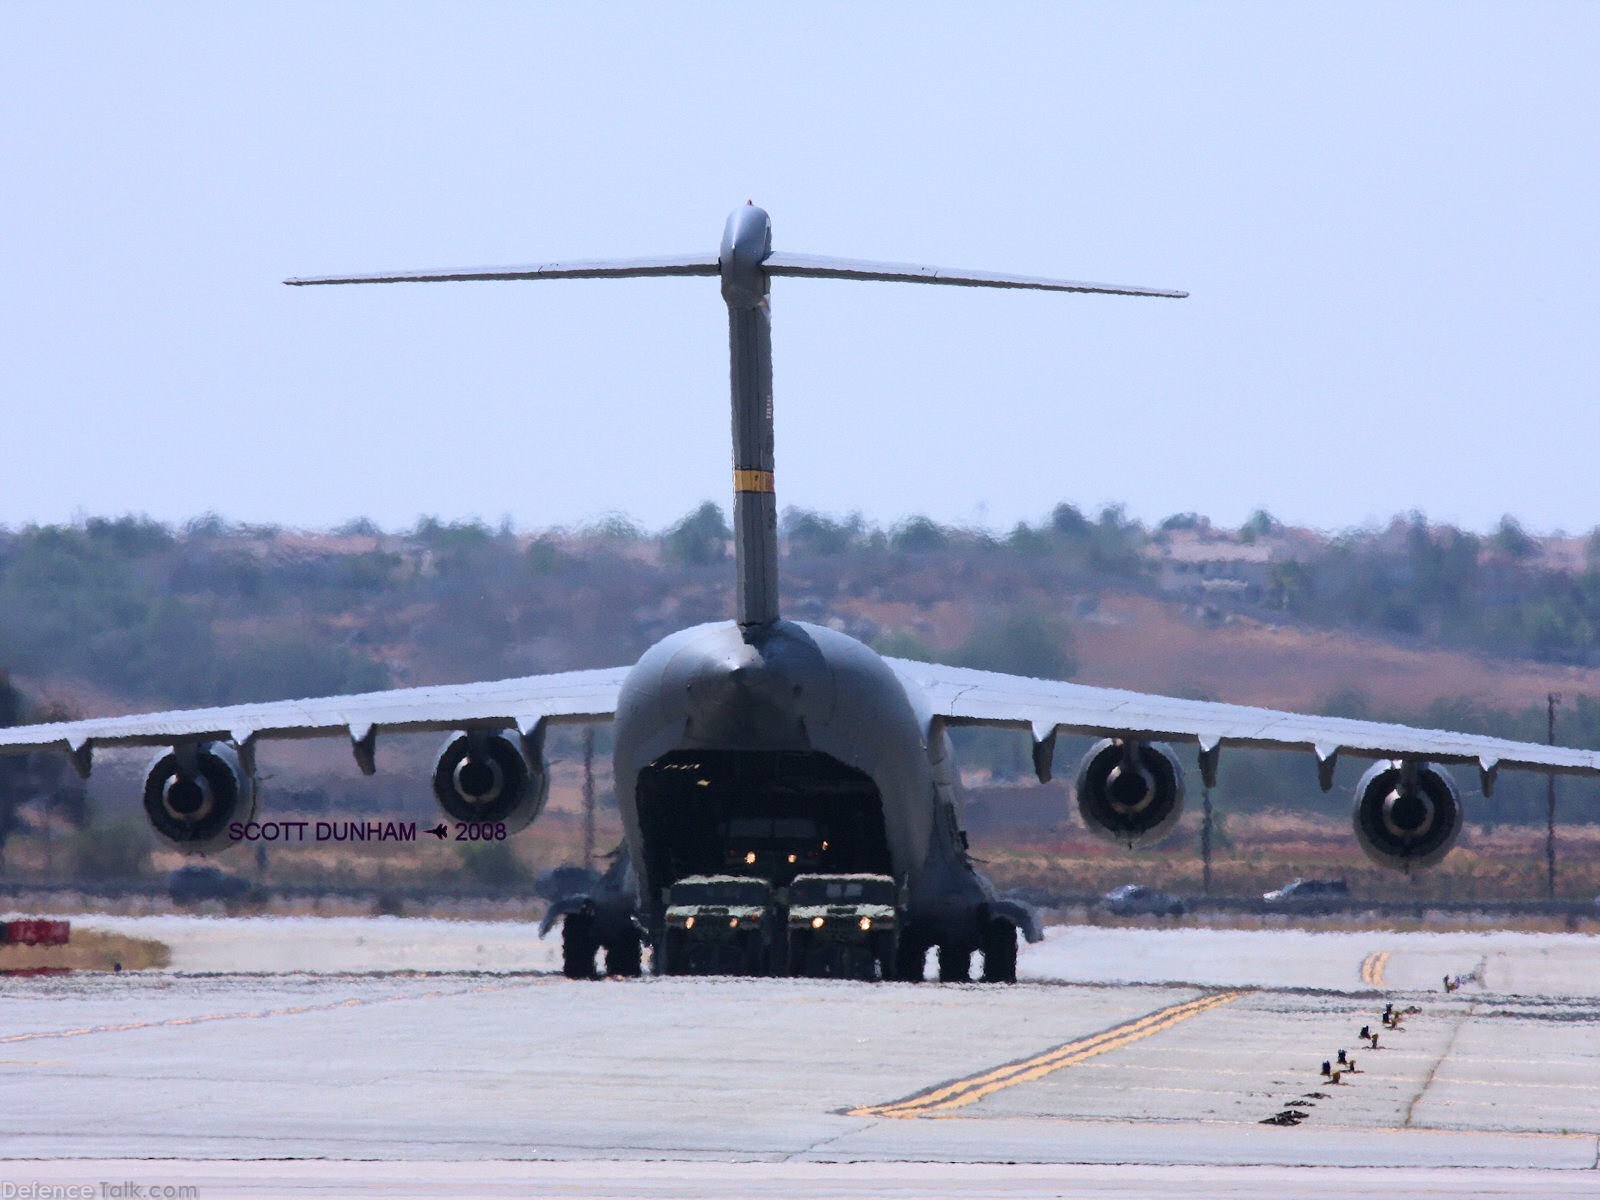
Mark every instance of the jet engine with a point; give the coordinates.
(194, 793)
(1406, 815)
(485, 778)
(1130, 792)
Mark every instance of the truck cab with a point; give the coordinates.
(844, 926)
(721, 925)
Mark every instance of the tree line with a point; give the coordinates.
(215, 612)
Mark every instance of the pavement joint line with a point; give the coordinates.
(1372, 967)
(289, 1010)
(1461, 1023)
(964, 1091)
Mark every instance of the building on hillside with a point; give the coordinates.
(1200, 566)
(1204, 566)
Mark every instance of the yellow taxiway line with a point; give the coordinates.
(940, 1100)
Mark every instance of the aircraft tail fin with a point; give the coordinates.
(746, 264)
(850, 268)
(621, 268)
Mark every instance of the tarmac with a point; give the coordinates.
(392, 1057)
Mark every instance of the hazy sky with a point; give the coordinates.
(1387, 215)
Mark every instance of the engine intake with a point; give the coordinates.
(485, 778)
(1406, 818)
(1130, 793)
(192, 795)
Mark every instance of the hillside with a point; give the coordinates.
(1409, 622)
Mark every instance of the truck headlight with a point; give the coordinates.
(688, 922)
(866, 924)
(818, 922)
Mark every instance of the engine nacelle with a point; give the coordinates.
(1406, 822)
(485, 778)
(1130, 793)
(192, 796)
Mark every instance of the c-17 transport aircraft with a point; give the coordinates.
(760, 746)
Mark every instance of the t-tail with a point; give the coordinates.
(746, 264)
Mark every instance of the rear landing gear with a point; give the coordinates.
(910, 959)
(625, 956)
(1000, 952)
(578, 946)
(955, 964)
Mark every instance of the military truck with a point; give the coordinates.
(844, 926)
(721, 925)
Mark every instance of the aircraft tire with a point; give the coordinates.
(886, 951)
(955, 964)
(578, 946)
(863, 963)
(1000, 952)
(909, 964)
(624, 957)
(674, 954)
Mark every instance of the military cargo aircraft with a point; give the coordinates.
(773, 748)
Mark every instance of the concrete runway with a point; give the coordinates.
(410, 1058)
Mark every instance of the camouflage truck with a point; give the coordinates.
(721, 925)
(844, 926)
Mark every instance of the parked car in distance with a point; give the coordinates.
(1308, 894)
(1136, 900)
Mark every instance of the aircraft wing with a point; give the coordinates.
(507, 703)
(959, 696)
(819, 267)
(620, 268)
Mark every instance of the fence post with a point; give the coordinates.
(1550, 804)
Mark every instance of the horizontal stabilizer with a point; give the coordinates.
(849, 268)
(621, 268)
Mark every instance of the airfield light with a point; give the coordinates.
(816, 922)
(866, 923)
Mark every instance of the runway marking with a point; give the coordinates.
(1372, 968)
(941, 1099)
(291, 1010)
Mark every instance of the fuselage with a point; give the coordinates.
(759, 746)
(784, 748)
